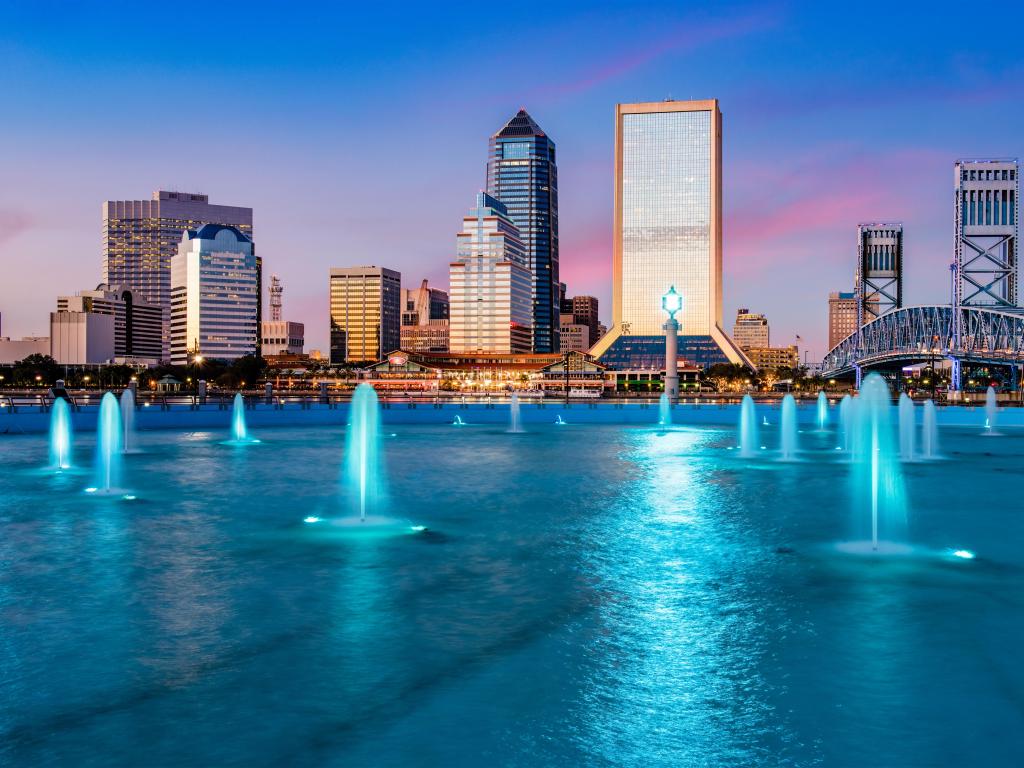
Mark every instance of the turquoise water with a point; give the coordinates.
(584, 595)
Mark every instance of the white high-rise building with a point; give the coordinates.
(140, 238)
(214, 295)
(491, 286)
(667, 231)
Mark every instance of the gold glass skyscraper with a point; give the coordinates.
(365, 314)
(667, 231)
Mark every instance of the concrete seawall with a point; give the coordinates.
(32, 419)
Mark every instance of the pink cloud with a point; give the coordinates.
(822, 194)
(14, 223)
(586, 261)
(684, 37)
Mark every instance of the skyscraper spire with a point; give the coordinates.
(522, 174)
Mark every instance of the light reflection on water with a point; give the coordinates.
(585, 596)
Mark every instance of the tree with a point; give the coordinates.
(249, 368)
(43, 366)
(769, 377)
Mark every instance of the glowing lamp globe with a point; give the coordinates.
(672, 302)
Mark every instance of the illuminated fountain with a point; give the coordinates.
(822, 410)
(990, 412)
(458, 421)
(239, 429)
(559, 421)
(664, 410)
(787, 436)
(930, 432)
(363, 470)
(907, 427)
(749, 443)
(61, 435)
(108, 446)
(128, 420)
(513, 414)
(846, 407)
(877, 476)
(364, 486)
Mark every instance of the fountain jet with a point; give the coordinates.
(363, 467)
(128, 420)
(907, 427)
(664, 410)
(990, 411)
(513, 414)
(560, 421)
(930, 432)
(108, 444)
(749, 442)
(787, 439)
(822, 410)
(239, 431)
(846, 406)
(877, 476)
(458, 421)
(60, 434)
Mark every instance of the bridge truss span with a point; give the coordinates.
(966, 335)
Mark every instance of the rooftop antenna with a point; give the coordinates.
(275, 298)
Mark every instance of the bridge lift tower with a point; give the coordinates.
(985, 269)
(879, 279)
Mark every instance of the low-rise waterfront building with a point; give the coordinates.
(774, 357)
(82, 338)
(407, 371)
(137, 328)
(14, 350)
(282, 337)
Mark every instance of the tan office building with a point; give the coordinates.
(842, 316)
(750, 330)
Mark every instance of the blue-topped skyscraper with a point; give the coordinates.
(214, 295)
(667, 231)
(523, 175)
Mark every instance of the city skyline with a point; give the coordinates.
(806, 156)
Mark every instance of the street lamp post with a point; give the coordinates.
(672, 302)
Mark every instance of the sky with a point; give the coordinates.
(358, 132)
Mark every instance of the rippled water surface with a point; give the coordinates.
(583, 595)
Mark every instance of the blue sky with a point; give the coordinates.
(358, 134)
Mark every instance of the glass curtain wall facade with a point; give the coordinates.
(491, 286)
(214, 296)
(523, 175)
(366, 314)
(667, 231)
(141, 237)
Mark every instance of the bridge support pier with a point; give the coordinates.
(954, 374)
